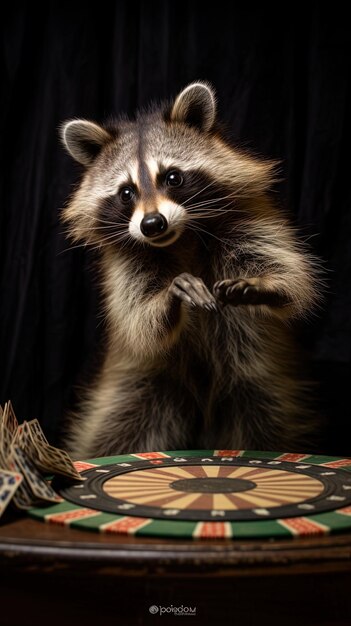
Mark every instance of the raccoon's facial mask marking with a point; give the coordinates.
(182, 200)
(156, 219)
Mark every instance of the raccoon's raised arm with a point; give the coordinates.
(269, 268)
(147, 312)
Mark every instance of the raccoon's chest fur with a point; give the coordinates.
(216, 383)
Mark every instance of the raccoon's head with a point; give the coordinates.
(148, 179)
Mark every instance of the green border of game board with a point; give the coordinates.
(324, 523)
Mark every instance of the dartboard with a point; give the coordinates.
(217, 493)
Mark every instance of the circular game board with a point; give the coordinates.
(208, 493)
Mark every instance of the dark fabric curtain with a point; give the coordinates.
(282, 75)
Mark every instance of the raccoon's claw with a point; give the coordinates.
(193, 291)
(246, 291)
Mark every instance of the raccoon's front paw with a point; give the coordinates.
(193, 291)
(244, 291)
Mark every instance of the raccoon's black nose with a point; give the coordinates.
(153, 224)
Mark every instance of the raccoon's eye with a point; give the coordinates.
(174, 179)
(126, 194)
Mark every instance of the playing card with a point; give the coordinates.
(9, 483)
(25, 453)
(5, 443)
(8, 425)
(23, 498)
(37, 431)
(9, 420)
(3, 413)
(40, 488)
(55, 461)
(23, 438)
(31, 439)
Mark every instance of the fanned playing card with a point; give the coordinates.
(9, 420)
(24, 497)
(37, 431)
(53, 460)
(25, 457)
(31, 439)
(6, 435)
(23, 440)
(46, 457)
(9, 483)
(39, 487)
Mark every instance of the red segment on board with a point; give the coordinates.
(82, 465)
(291, 456)
(345, 511)
(151, 455)
(303, 526)
(339, 463)
(228, 452)
(70, 516)
(212, 529)
(125, 525)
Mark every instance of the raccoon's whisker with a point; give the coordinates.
(197, 193)
(204, 203)
(104, 244)
(115, 225)
(214, 200)
(103, 221)
(209, 203)
(211, 200)
(109, 224)
(80, 245)
(199, 236)
(237, 194)
(204, 213)
(224, 242)
(213, 210)
(196, 227)
(224, 208)
(117, 237)
(208, 215)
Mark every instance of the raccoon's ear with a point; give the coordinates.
(84, 140)
(195, 106)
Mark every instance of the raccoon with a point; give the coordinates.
(201, 276)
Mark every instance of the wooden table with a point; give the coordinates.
(54, 575)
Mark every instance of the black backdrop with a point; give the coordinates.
(283, 81)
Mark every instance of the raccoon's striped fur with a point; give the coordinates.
(201, 275)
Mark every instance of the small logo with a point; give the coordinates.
(176, 610)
